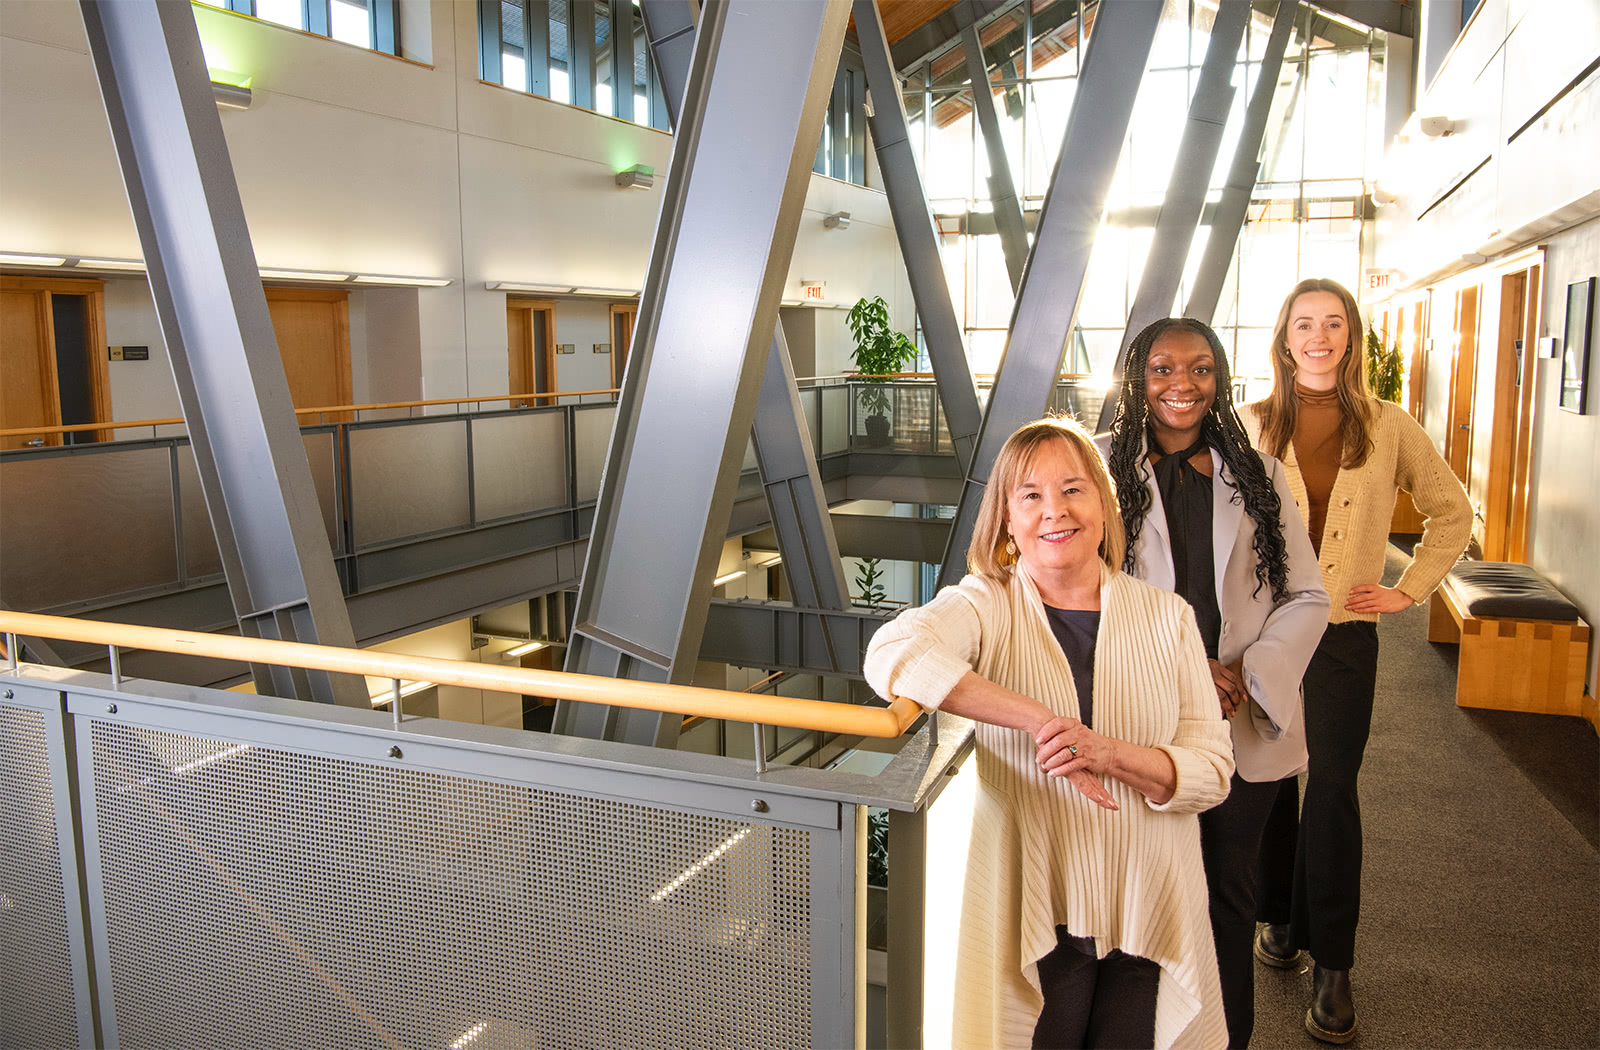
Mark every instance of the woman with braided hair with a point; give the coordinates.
(1205, 516)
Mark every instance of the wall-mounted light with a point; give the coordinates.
(231, 96)
(776, 559)
(839, 220)
(406, 689)
(304, 275)
(1436, 126)
(109, 264)
(1381, 196)
(612, 292)
(526, 647)
(638, 177)
(29, 259)
(518, 286)
(728, 578)
(415, 282)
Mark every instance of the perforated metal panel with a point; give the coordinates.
(255, 896)
(37, 1006)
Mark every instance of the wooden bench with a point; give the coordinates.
(1512, 664)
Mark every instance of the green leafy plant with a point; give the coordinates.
(880, 351)
(1385, 368)
(877, 847)
(868, 583)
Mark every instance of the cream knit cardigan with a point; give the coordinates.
(1040, 853)
(1361, 507)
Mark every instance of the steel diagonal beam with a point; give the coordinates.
(913, 225)
(1186, 188)
(741, 162)
(1041, 320)
(219, 337)
(784, 454)
(1002, 190)
(1228, 219)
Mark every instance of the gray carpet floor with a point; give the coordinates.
(1480, 916)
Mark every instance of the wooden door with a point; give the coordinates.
(38, 368)
(1519, 498)
(1463, 383)
(531, 350)
(313, 330)
(623, 316)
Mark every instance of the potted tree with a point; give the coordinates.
(879, 352)
(1386, 372)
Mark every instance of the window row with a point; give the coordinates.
(372, 24)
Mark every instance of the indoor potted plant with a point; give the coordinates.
(880, 351)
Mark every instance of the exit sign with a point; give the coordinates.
(812, 290)
(1379, 280)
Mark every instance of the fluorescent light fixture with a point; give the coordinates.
(792, 302)
(406, 689)
(422, 282)
(24, 259)
(110, 264)
(625, 292)
(231, 96)
(638, 177)
(527, 647)
(303, 275)
(518, 286)
(729, 578)
(776, 559)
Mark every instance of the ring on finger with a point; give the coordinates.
(1072, 749)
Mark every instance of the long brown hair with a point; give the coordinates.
(986, 554)
(1277, 413)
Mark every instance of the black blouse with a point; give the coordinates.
(1075, 630)
(1186, 498)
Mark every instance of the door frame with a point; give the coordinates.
(95, 335)
(341, 319)
(550, 396)
(620, 352)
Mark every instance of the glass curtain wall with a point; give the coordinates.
(1307, 216)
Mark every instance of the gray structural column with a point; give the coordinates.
(913, 225)
(788, 464)
(1041, 321)
(219, 337)
(1002, 190)
(1228, 219)
(1186, 187)
(622, 58)
(741, 162)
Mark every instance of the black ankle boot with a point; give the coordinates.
(1274, 947)
(1332, 1017)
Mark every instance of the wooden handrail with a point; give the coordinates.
(823, 715)
(72, 428)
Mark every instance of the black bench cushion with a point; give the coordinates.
(1502, 588)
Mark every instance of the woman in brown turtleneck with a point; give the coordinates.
(1346, 454)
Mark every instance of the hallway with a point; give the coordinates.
(1480, 919)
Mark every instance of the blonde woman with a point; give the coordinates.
(1347, 454)
(1100, 738)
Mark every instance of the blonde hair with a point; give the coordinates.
(986, 555)
(1278, 412)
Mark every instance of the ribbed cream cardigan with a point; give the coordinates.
(1361, 508)
(1040, 853)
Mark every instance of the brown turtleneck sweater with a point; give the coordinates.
(1319, 448)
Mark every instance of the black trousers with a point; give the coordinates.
(1311, 874)
(1230, 845)
(1090, 1002)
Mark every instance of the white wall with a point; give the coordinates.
(354, 161)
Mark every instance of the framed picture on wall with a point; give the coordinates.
(1575, 346)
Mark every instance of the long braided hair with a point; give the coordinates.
(1222, 431)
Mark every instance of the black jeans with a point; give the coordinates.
(1311, 876)
(1230, 845)
(1090, 1002)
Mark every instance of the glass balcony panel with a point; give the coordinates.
(200, 555)
(82, 526)
(519, 463)
(593, 427)
(324, 463)
(408, 480)
(835, 419)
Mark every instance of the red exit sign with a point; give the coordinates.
(1379, 281)
(814, 291)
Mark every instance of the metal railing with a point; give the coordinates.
(185, 865)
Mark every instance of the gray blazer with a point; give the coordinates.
(1275, 641)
